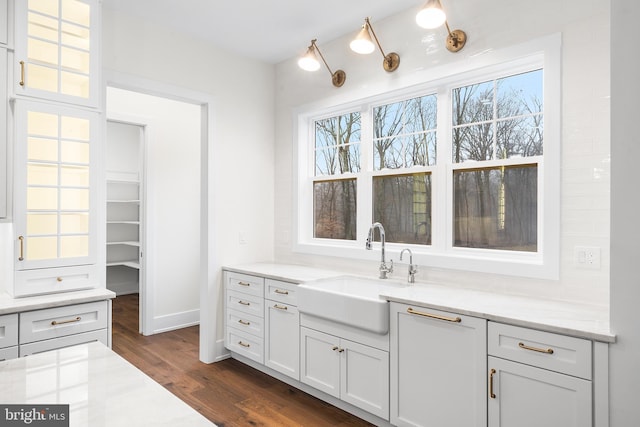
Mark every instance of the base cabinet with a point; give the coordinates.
(438, 363)
(282, 320)
(355, 373)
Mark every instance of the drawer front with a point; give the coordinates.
(559, 353)
(8, 330)
(101, 335)
(51, 280)
(8, 353)
(245, 344)
(245, 283)
(245, 303)
(62, 321)
(281, 291)
(249, 323)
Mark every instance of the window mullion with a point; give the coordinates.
(365, 177)
(442, 186)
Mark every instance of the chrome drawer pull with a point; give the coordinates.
(244, 284)
(434, 316)
(280, 307)
(62, 322)
(244, 344)
(244, 322)
(278, 291)
(244, 303)
(539, 350)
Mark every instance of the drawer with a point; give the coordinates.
(245, 344)
(101, 335)
(245, 283)
(245, 322)
(8, 353)
(50, 280)
(57, 322)
(281, 291)
(559, 353)
(245, 303)
(8, 330)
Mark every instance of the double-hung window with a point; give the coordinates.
(463, 171)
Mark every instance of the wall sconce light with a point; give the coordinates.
(432, 16)
(364, 45)
(309, 62)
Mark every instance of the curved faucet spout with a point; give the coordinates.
(384, 269)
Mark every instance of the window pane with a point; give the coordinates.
(42, 248)
(43, 124)
(42, 27)
(400, 133)
(42, 198)
(496, 208)
(74, 246)
(40, 174)
(74, 223)
(337, 142)
(74, 176)
(41, 51)
(520, 94)
(49, 7)
(43, 78)
(74, 128)
(521, 137)
(71, 199)
(74, 152)
(42, 149)
(402, 204)
(473, 143)
(473, 103)
(42, 223)
(334, 209)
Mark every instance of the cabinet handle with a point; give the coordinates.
(244, 322)
(278, 291)
(491, 374)
(58, 279)
(244, 303)
(244, 344)
(335, 347)
(539, 350)
(280, 307)
(434, 316)
(21, 239)
(244, 284)
(62, 322)
(22, 73)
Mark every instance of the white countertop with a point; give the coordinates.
(101, 388)
(580, 320)
(17, 305)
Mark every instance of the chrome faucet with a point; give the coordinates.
(384, 269)
(413, 269)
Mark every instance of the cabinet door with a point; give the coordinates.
(524, 396)
(3, 24)
(365, 377)
(282, 339)
(55, 186)
(438, 363)
(56, 50)
(320, 361)
(3, 129)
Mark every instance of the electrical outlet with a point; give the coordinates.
(587, 256)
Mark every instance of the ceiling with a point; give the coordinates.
(266, 30)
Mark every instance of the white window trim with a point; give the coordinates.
(544, 264)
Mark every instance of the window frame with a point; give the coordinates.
(543, 53)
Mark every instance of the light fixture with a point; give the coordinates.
(364, 45)
(309, 62)
(432, 16)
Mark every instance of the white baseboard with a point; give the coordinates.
(221, 352)
(171, 322)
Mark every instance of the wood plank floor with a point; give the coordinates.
(228, 393)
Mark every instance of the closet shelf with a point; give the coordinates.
(132, 264)
(124, 243)
(124, 201)
(123, 222)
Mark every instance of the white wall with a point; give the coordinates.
(490, 26)
(242, 144)
(625, 225)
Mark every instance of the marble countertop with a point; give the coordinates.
(17, 305)
(579, 320)
(101, 388)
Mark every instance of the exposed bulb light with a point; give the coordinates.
(431, 15)
(309, 62)
(362, 43)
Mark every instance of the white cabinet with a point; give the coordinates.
(350, 371)
(56, 50)
(3, 24)
(538, 378)
(282, 335)
(8, 336)
(55, 198)
(244, 315)
(4, 161)
(438, 368)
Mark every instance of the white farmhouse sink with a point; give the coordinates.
(354, 301)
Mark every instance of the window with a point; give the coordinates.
(465, 168)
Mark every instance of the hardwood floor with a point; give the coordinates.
(228, 393)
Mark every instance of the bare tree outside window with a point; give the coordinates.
(496, 207)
